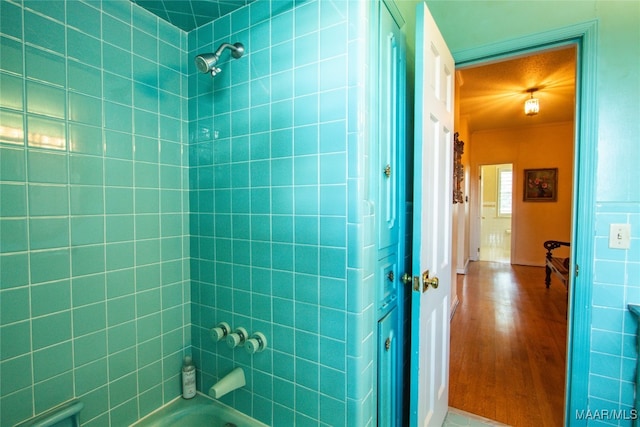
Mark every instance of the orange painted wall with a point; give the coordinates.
(534, 147)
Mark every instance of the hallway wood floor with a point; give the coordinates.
(508, 345)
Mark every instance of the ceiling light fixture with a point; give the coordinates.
(531, 105)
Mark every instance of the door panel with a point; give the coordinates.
(390, 38)
(388, 286)
(431, 268)
(388, 369)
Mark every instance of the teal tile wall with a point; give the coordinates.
(94, 272)
(277, 179)
(614, 329)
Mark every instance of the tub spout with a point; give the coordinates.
(232, 381)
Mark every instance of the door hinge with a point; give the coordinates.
(577, 270)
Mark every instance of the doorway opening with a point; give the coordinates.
(496, 193)
(583, 36)
(505, 228)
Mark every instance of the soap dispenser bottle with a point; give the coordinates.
(188, 378)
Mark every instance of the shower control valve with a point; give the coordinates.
(237, 338)
(221, 330)
(256, 344)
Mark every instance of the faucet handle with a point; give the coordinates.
(220, 331)
(256, 344)
(237, 338)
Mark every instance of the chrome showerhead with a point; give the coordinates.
(206, 61)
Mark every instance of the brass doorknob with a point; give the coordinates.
(433, 282)
(429, 281)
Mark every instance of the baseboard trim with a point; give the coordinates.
(464, 269)
(454, 307)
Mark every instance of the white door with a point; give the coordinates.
(430, 302)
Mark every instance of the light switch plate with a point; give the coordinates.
(620, 236)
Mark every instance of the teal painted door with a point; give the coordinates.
(390, 183)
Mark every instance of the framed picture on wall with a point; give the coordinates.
(541, 185)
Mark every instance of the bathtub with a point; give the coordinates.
(198, 411)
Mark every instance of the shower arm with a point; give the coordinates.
(236, 49)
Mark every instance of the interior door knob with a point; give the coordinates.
(429, 281)
(433, 282)
(406, 278)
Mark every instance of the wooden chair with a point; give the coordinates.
(556, 265)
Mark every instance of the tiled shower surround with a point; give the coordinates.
(277, 172)
(143, 202)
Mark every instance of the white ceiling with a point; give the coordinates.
(492, 96)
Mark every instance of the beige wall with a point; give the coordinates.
(460, 257)
(534, 147)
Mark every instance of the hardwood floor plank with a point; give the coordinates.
(508, 345)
